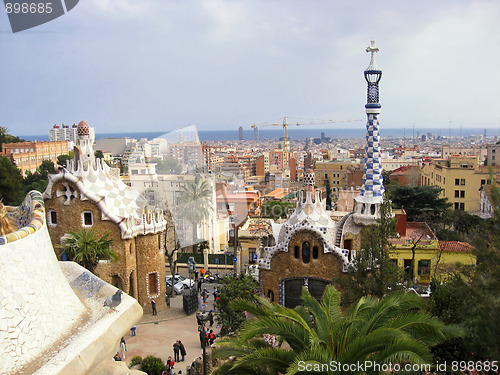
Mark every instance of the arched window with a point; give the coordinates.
(306, 252)
(372, 209)
(296, 252)
(315, 252)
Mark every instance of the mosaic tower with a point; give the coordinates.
(367, 204)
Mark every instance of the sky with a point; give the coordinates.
(160, 65)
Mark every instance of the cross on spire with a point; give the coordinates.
(372, 49)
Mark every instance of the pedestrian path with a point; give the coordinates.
(155, 335)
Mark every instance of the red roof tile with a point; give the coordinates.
(455, 246)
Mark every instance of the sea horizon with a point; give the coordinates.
(297, 134)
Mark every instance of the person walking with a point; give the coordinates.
(211, 337)
(176, 351)
(153, 305)
(211, 318)
(123, 347)
(182, 350)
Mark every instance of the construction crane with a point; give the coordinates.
(285, 132)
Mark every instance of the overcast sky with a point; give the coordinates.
(159, 65)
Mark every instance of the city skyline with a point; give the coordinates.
(162, 65)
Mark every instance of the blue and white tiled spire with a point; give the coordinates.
(367, 206)
(372, 178)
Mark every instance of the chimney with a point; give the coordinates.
(401, 222)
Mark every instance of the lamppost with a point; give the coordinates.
(202, 319)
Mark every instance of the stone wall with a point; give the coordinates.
(137, 257)
(284, 264)
(151, 260)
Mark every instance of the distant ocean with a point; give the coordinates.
(354, 132)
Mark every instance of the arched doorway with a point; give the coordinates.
(117, 282)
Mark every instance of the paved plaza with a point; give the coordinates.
(155, 335)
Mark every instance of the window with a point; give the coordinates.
(462, 193)
(456, 205)
(462, 206)
(457, 181)
(52, 218)
(424, 267)
(306, 252)
(252, 255)
(483, 182)
(153, 284)
(457, 193)
(87, 218)
(315, 252)
(462, 181)
(296, 252)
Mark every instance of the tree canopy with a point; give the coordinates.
(86, 249)
(372, 273)
(40, 179)
(280, 340)
(11, 182)
(244, 287)
(471, 297)
(421, 203)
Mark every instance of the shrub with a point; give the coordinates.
(152, 365)
(135, 361)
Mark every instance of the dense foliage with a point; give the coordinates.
(421, 203)
(86, 249)
(40, 179)
(372, 273)
(11, 188)
(394, 329)
(152, 365)
(232, 287)
(471, 297)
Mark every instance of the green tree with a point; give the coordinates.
(394, 329)
(372, 273)
(86, 249)
(471, 298)
(61, 159)
(40, 179)
(11, 179)
(195, 204)
(243, 287)
(152, 365)
(421, 203)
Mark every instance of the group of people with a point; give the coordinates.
(207, 337)
(179, 351)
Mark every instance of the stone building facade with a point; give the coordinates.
(307, 253)
(86, 195)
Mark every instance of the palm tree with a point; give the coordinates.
(395, 329)
(195, 203)
(86, 249)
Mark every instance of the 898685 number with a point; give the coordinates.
(26, 8)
